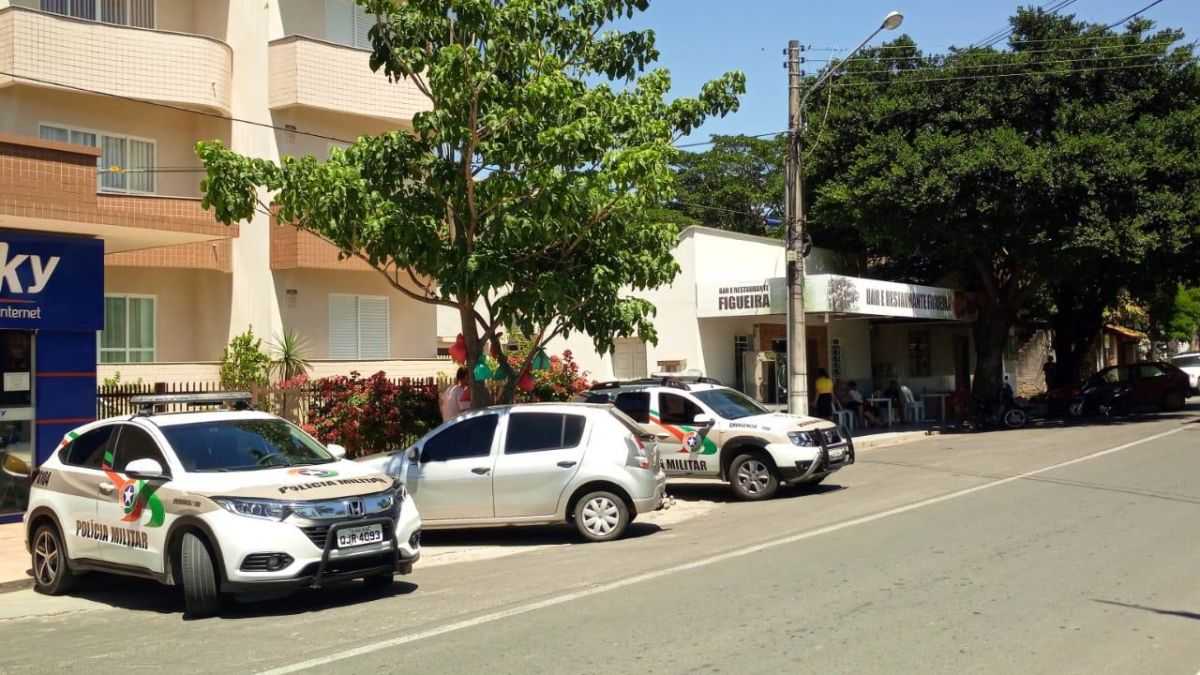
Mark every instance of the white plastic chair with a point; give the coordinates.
(912, 407)
(845, 418)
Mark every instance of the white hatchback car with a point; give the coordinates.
(221, 502)
(533, 464)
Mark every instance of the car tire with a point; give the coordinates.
(52, 574)
(1173, 401)
(201, 592)
(379, 582)
(1015, 418)
(601, 516)
(753, 477)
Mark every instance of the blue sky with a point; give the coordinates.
(700, 39)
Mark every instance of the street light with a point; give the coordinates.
(797, 355)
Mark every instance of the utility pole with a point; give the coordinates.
(797, 339)
(797, 353)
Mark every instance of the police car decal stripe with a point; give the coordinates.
(683, 434)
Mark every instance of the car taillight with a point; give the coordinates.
(638, 455)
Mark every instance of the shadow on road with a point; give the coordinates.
(1166, 612)
(721, 493)
(150, 596)
(522, 535)
(1186, 416)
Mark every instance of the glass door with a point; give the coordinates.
(16, 419)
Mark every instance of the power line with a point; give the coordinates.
(1061, 50)
(1102, 60)
(1072, 38)
(1132, 16)
(1027, 73)
(994, 38)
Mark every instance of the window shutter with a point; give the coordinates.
(141, 13)
(343, 327)
(339, 21)
(362, 27)
(113, 11)
(373, 338)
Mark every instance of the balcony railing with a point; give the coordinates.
(47, 50)
(316, 74)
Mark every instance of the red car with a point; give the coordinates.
(1135, 388)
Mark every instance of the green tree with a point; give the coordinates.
(521, 198)
(737, 184)
(1064, 166)
(244, 364)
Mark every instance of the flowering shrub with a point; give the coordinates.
(370, 415)
(562, 381)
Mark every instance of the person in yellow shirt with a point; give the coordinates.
(823, 401)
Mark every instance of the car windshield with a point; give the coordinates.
(243, 445)
(730, 404)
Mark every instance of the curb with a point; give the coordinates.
(896, 440)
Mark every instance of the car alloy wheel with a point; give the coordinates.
(601, 516)
(47, 558)
(753, 476)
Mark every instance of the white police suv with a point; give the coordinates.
(706, 430)
(220, 502)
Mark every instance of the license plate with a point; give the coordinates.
(349, 537)
(837, 453)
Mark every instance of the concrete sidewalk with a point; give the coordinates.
(15, 564)
(14, 559)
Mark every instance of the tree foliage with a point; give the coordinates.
(521, 198)
(737, 184)
(1067, 163)
(244, 364)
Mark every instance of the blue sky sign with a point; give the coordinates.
(51, 282)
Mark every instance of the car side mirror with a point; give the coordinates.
(414, 454)
(336, 450)
(146, 469)
(703, 420)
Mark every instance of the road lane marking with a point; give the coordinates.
(703, 562)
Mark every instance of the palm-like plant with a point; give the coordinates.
(290, 355)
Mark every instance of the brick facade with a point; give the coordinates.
(57, 181)
(293, 248)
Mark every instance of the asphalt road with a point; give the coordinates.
(1047, 550)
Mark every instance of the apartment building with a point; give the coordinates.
(101, 104)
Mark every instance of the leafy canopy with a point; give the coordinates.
(1072, 158)
(521, 197)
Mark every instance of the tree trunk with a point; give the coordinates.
(990, 331)
(480, 396)
(1076, 325)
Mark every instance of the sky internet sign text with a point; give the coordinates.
(51, 282)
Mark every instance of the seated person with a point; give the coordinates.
(854, 403)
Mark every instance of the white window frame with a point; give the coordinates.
(358, 297)
(100, 168)
(100, 350)
(97, 14)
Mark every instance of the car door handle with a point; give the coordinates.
(107, 488)
(566, 465)
(480, 470)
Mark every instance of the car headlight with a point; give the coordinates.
(802, 438)
(401, 491)
(266, 509)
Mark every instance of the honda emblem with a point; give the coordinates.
(354, 507)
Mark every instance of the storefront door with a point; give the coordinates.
(16, 418)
